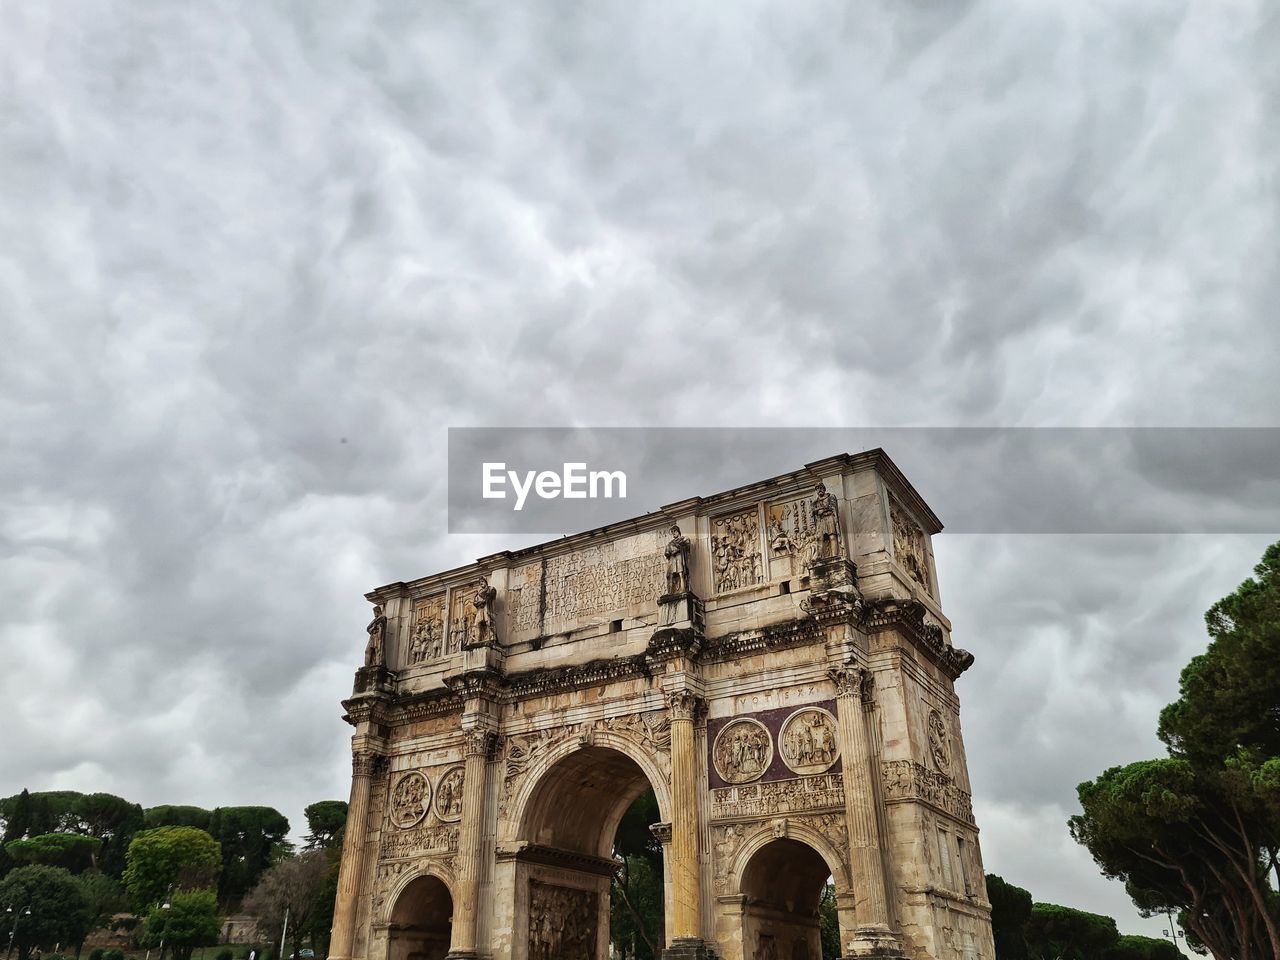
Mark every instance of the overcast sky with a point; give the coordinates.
(255, 258)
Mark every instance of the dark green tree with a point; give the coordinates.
(191, 920)
(295, 886)
(326, 820)
(114, 821)
(182, 858)
(168, 815)
(636, 892)
(1010, 913)
(1197, 834)
(104, 895)
(829, 924)
(59, 911)
(1055, 932)
(71, 851)
(1143, 948)
(252, 839)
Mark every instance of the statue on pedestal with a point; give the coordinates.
(485, 634)
(375, 651)
(826, 522)
(677, 554)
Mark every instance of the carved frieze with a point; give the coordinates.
(440, 841)
(808, 741)
(562, 922)
(735, 551)
(792, 536)
(427, 641)
(908, 780)
(908, 544)
(742, 751)
(410, 799)
(448, 803)
(772, 797)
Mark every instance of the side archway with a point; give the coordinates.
(779, 875)
(419, 918)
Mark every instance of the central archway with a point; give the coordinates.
(565, 860)
(421, 921)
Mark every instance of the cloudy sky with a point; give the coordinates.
(255, 258)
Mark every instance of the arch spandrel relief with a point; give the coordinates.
(410, 799)
(448, 802)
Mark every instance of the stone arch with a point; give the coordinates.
(777, 880)
(790, 830)
(429, 868)
(417, 915)
(546, 762)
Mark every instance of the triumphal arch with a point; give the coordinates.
(772, 661)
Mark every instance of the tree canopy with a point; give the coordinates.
(1197, 833)
(170, 815)
(71, 851)
(60, 913)
(298, 885)
(180, 857)
(326, 820)
(1010, 914)
(191, 920)
(252, 839)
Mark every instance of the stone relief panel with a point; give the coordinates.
(908, 780)
(561, 592)
(562, 922)
(735, 551)
(742, 751)
(410, 799)
(939, 742)
(427, 641)
(727, 839)
(449, 795)
(908, 545)
(792, 537)
(439, 841)
(808, 741)
(825, 792)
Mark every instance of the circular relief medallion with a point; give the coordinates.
(449, 795)
(742, 751)
(410, 799)
(938, 740)
(808, 741)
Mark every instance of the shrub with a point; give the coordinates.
(113, 953)
(97, 953)
(222, 955)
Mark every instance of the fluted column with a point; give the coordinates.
(686, 708)
(351, 870)
(478, 748)
(866, 852)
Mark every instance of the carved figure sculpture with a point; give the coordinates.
(375, 652)
(483, 621)
(826, 522)
(677, 554)
(410, 799)
(449, 795)
(808, 741)
(742, 751)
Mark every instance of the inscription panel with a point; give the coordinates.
(559, 593)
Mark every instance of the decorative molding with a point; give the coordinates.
(908, 617)
(684, 704)
(800, 632)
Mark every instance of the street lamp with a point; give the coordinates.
(13, 931)
(165, 932)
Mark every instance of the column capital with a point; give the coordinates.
(480, 743)
(365, 763)
(685, 704)
(853, 681)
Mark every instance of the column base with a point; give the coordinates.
(689, 948)
(461, 955)
(873, 942)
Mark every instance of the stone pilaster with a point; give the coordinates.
(874, 935)
(479, 746)
(351, 869)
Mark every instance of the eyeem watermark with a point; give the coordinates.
(574, 482)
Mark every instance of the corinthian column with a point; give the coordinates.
(477, 750)
(351, 869)
(866, 853)
(686, 708)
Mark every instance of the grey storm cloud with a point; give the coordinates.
(255, 258)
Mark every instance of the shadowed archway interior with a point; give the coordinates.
(579, 801)
(783, 885)
(421, 921)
